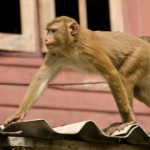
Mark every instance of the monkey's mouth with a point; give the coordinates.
(49, 46)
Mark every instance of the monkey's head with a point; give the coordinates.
(61, 32)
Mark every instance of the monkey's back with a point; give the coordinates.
(120, 45)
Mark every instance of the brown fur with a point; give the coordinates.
(122, 59)
(145, 38)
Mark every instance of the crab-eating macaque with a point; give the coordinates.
(122, 59)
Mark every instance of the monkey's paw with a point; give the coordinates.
(117, 127)
(14, 118)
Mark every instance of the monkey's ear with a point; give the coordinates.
(73, 27)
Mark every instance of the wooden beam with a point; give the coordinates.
(28, 23)
(82, 13)
(27, 41)
(46, 14)
(116, 15)
(12, 42)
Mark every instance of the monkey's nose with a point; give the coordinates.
(46, 42)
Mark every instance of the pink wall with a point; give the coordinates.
(137, 17)
(60, 107)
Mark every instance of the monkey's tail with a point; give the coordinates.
(145, 38)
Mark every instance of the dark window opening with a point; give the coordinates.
(67, 8)
(10, 16)
(98, 15)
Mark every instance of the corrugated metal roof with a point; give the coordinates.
(84, 131)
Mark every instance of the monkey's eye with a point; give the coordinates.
(52, 30)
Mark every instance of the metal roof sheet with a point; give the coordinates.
(84, 131)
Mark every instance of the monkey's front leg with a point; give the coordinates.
(35, 90)
(123, 104)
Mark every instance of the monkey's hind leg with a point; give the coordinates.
(142, 90)
(116, 127)
(130, 72)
